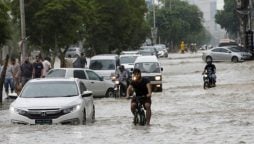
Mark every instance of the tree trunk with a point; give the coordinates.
(3, 77)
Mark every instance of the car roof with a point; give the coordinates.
(105, 56)
(146, 59)
(72, 68)
(53, 80)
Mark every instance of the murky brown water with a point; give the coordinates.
(182, 113)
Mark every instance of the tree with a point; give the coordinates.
(227, 18)
(177, 20)
(119, 25)
(4, 23)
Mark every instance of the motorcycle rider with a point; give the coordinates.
(210, 69)
(123, 76)
(142, 87)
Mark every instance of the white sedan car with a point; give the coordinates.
(53, 101)
(92, 80)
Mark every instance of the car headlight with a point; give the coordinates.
(71, 109)
(205, 75)
(19, 111)
(157, 78)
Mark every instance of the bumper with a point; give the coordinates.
(156, 85)
(70, 118)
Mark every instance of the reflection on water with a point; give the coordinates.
(6, 103)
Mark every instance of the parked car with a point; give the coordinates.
(152, 49)
(91, 79)
(151, 69)
(245, 53)
(73, 52)
(222, 54)
(53, 101)
(162, 50)
(105, 65)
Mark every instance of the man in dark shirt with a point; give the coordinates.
(26, 70)
(83, 61)
(210, 69)
(37, 68)
(142, 87)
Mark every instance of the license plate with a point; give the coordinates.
(43, 121)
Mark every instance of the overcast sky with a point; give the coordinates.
(220, 4)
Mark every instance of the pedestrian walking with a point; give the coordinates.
(26, 71)
(8, 81)
(46, 66)
(37, 68)
(83, 61)
(16, 75)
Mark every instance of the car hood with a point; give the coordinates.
(43, 103)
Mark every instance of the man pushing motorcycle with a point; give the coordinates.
(142, 87)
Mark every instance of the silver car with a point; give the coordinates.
(222, 54)
(92, 80)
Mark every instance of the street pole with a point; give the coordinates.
(154, 30)
(23, 30)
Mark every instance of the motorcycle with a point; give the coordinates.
(139, 114)
(208, 81)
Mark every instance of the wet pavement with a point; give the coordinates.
(183, 113)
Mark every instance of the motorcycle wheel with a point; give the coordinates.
(136, 119)
(142, 118)
(206, 85)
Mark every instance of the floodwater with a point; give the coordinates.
(183, 113)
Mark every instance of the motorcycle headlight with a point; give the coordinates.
(117, 82)
(71, 109)
(113, 78)
(157, 78)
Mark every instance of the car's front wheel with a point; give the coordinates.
(110, 92)
(234, 59)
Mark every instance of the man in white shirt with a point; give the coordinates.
(46, 66)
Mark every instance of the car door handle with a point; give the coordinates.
(92, 82)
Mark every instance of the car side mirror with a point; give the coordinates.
(87, 94)
(101, 78)
(131, 69)
(161, 68)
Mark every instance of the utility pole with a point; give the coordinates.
(23, 30)
(154, 29)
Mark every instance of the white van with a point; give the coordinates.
(105, 65)
(151, 69)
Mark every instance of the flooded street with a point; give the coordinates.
(183, 113)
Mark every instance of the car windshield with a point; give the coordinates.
(128, 59)
(148, 67)
(49, 89)
(56, 73)
(102, 64)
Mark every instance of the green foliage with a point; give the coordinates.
(177, 20)
(105, 25)
(4, 23)
(227, 18)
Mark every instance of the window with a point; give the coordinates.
(216, 50)
(57, 73)
(92, 75)
(79, 74)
